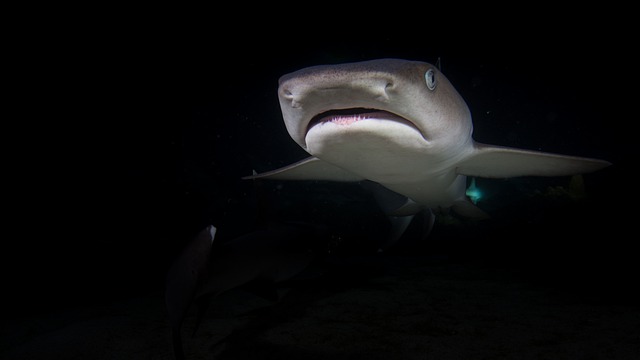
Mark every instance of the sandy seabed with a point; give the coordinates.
(377, 308)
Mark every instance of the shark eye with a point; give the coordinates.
(430, 78)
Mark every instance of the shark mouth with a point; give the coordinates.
(352, 115)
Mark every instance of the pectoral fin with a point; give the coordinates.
(491, 161)
(310, 168)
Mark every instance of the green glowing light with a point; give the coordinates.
(473, 192)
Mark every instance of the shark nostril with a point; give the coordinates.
(389, 86)
(287, 94)
(291, 98)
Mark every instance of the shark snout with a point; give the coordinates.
(365, 90)
(303, 99)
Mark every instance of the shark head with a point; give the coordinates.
(377, 112)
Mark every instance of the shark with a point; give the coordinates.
(402, 125)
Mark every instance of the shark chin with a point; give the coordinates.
(369, 147)
(364, 134)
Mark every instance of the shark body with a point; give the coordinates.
(403, 125)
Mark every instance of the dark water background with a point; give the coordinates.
(128, 144)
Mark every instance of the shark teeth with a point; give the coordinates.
(344, 119)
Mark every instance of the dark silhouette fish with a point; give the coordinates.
(206, 269)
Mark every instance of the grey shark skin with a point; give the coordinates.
(401, 124)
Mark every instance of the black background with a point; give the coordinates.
(125, 140)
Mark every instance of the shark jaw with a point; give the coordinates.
(367, 141)
(350, 116)
(360, 129)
